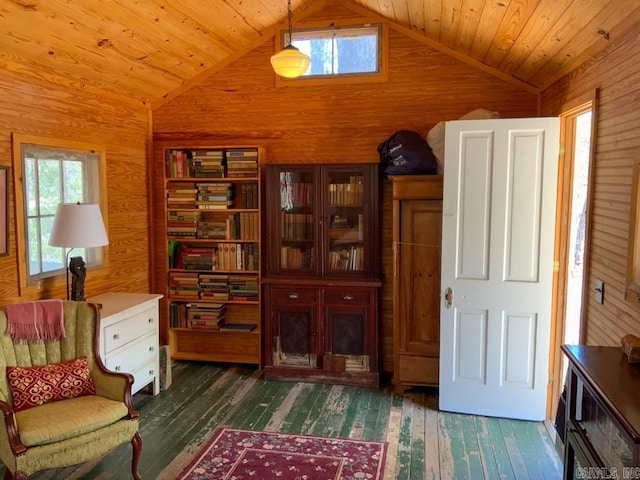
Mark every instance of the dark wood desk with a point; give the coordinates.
(602, 437)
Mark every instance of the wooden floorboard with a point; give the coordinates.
(422, 441)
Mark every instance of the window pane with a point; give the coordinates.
(356, 54)
(33, 247)
(52, 257)
(31, 194)
(49, 186)
(73, 181)
(338, 51)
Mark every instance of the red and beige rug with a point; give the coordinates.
(242, 454)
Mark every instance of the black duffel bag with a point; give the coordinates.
(407, 153)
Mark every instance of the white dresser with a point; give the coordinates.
(129, 335)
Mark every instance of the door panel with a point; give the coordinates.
(470, 347)
(475, 185)
(523, 204)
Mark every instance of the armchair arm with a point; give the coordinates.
(114, 385)
(11, 430)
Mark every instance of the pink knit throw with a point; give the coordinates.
(39, 320)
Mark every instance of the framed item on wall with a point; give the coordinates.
(4, 211)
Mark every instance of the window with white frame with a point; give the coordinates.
(340, 51)
(54, 173)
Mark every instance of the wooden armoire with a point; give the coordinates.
(417, 238)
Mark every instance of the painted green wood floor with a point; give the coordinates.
(423, 443)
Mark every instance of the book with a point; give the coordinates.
(242, 327)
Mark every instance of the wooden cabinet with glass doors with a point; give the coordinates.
(322, 273)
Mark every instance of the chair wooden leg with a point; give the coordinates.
(136, 441)
(9, 476)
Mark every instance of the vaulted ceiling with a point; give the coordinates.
(145, 49)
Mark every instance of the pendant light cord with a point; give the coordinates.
(290, 16)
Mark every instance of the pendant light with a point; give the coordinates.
(290, 62)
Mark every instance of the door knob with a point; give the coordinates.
(448, 298)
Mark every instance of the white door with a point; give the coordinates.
(498, 226)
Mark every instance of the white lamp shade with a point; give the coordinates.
(78, 225)
(290, 62)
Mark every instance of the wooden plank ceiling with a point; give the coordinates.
(144, 49)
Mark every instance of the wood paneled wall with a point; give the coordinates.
(616, 72)
(333, 123)
(36, 107)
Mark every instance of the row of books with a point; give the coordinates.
(297, 226)
(215, 287)
(296, 258)
(346, 258)
(346, 193)
(222, 256)
(243, 225)
(204, 316)
(294, 195)
(213, 196)
(212, 163)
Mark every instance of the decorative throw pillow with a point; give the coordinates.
(33, 386)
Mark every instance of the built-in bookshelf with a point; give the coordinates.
(213, 253)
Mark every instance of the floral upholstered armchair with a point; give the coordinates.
(60, 405)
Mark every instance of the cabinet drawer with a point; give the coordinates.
(347, 296)
(294, 295)
(126, 330)
(143, 376)
(134, 355)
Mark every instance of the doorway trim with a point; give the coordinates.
(569, 112)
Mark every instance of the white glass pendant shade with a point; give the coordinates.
(290, 62)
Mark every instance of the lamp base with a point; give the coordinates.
(78, 270)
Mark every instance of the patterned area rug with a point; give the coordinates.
(242, 454)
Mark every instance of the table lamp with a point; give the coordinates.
(77, 225)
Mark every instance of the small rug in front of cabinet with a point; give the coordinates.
(243, 454)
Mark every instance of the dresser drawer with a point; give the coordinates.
(132, 356)
(347, 296)
(144, 375)
(128, 329)
(294, 295)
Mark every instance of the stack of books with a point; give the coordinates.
(183, 196)
(208, 163)
(182, 224)
(214, 287)
(215, 229)
(198, 258)
(243, 288)
(214, 196)
(242, 163)
(183, 285)
(206, 316)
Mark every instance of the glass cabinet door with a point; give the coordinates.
(297, 221)
(345, 231)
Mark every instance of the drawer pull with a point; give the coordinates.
(348, 297)
(294, 295)
(150, 373)
(116, 336)
(150, 319)
(118, 367)
(151, 349)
